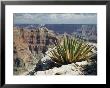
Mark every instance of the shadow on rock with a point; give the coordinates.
(91, 69)
(44, 64)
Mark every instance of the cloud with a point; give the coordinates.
(55, 18)
(28, 16)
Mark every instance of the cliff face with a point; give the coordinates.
(39, 39)
(29, 43)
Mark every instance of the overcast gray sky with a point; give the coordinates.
(55, 18)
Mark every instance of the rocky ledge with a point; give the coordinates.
(47, 67)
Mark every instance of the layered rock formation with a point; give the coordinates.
(31, 42)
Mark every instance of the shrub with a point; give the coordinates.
(71, 50)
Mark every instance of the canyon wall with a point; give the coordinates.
(29, 43)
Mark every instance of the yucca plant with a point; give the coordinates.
(71, 50)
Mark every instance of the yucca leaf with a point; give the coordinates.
(71, 50)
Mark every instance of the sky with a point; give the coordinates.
(55, 18)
